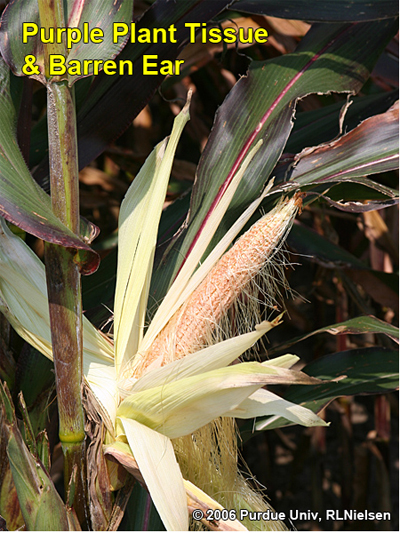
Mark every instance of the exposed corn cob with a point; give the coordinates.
(189, 329)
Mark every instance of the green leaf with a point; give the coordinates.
(35, 379)
(382, 286)
(102, 14)
(334, 58)
(329, 10)
(80, 14)
(354, 326)
(140, 513)
(367, 371)
(35, 376)
(371, 147)
(30, 438)
(312, 128)
(22, 201)
(43, 447)
(41, 505)
(305, 240)
(12, 48)
(7, 361)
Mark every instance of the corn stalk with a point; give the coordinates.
(62, 273)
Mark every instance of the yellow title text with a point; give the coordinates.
(121, 32)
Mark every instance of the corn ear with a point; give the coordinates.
(211, 358)
(191, 274)
(189, 329)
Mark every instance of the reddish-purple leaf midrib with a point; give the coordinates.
(359, 167)
(251, 139)
(76, 13)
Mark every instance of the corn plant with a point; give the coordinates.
(146, 415)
